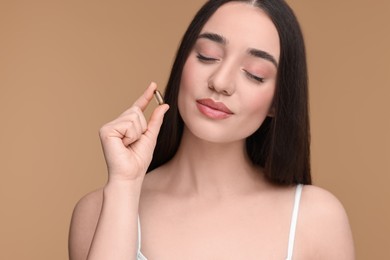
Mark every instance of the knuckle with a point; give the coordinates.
(136, 109)
(131, 135)
(104, 130)
(133, 117)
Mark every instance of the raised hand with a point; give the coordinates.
(129, 140)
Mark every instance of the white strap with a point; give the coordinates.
(294, 220)
(139, 235)
(140, 256)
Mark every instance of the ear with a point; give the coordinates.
(271, 112)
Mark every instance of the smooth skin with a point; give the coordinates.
(104, 222)
(209, 201)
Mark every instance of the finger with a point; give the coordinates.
(143, 123)
(132, 132)
(143, 101)
(156, 120)
(129, 117)
(141, 118)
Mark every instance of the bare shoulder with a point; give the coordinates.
(324, 223)
(318, 200)
(83, 224)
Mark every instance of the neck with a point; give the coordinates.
(213, 169)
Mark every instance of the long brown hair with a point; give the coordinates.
(282, 143)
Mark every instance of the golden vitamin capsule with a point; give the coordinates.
(158, 97)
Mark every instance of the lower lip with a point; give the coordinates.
(212, 113)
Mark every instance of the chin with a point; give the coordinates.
(214, 133)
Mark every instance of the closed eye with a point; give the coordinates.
(254, 77)
(206, 59)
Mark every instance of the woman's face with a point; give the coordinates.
(228, 80)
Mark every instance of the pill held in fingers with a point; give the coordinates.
(158, 97)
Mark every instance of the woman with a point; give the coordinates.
(227, 168)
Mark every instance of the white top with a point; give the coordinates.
(291, 239)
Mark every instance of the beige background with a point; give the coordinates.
(67, 67)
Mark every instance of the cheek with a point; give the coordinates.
(191, 74)
(257, 107)
(260, 104)
(185, 82)
(188, 86)
(186, 75)
(193, 80)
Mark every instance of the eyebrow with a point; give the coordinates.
(253, 52)
(214, 37)
(264, 55)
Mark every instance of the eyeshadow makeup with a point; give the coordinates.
(158, 97)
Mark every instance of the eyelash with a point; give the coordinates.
(253, 77)
(205, 59)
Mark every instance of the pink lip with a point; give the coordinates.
(212, 109)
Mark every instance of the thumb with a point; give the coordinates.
(156, 120)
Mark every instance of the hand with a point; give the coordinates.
(128, 141)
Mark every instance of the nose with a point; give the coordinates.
(222, 80)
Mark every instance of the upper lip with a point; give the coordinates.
(214, 105)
